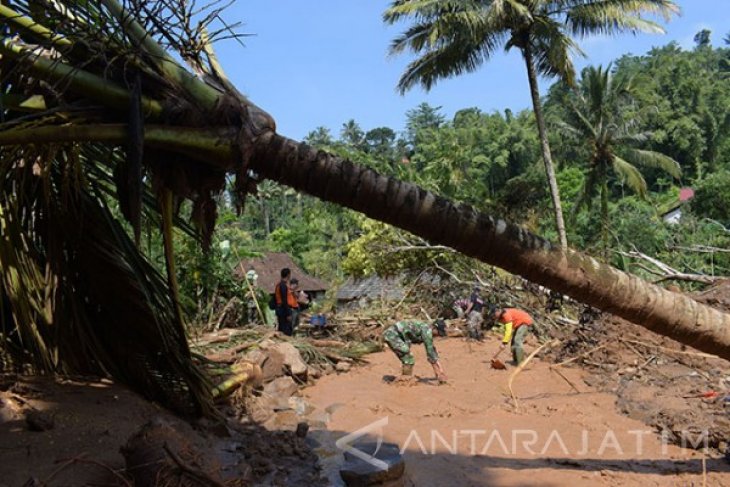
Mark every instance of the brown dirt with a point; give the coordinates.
(657, 380)
(565, 431)
(91, 421)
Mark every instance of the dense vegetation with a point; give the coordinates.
(677, 109)
(93, 118)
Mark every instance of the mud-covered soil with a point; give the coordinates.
(469, 432)
(665, 384)
(70, 433)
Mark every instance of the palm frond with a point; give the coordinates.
(451, 37)
(609, 17)
(630, 175)
(448, 59)
(85, 299)
(553, 50)
(656, 160)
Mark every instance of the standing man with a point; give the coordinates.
(285, 302)
(399, 338)
(474, 314)
(516, 325)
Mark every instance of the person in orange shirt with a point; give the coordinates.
(516, 325)
(286, 303)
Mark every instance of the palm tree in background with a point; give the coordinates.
(352, 134)
(599, 112)
(457, 36)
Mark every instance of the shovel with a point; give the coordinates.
(496, 363)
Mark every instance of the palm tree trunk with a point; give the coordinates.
(266, 217)
(604, 217)
(545, 146)
(491, 240)
(436, 219)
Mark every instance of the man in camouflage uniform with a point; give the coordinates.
(399, 338)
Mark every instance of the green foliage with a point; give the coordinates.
(685, 98)
(457, 37)
(637, 225)
(702, 38)
(679, 107)
(421, 121)
(697, 245)
(385, 250)
(601, 114)
(712, 198)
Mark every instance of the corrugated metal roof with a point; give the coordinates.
(372, 287)
(269, 266)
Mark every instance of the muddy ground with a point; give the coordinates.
(616, 413)
(80, 427)
(468, 432)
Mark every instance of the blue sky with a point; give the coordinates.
(322, 62)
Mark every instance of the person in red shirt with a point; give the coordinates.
(516, 325)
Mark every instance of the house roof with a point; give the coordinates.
(372, 287)
(685, 195)
(269, 266)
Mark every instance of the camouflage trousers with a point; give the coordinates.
(400, 346)
(518, 338)
(474, 326)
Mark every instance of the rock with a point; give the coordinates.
(281, 387)
(327, 368)
(260, 409)
(270, 361)
(282, 420)
(38, 420)
(314, 372)
(343, 367)
(359, 473)
(302, 407)
(292, 359)
(9, 411)
(275, 397)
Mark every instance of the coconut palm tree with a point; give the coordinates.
(600, 114)
(95, 109)
(457, 36)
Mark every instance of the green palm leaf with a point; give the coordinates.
(656, 160)
(630, 175)
(610, 17)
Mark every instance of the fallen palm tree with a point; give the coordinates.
(95, 108)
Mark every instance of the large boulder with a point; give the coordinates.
(277, 359)
(293, 362)
(270, 361)
(282, 388)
